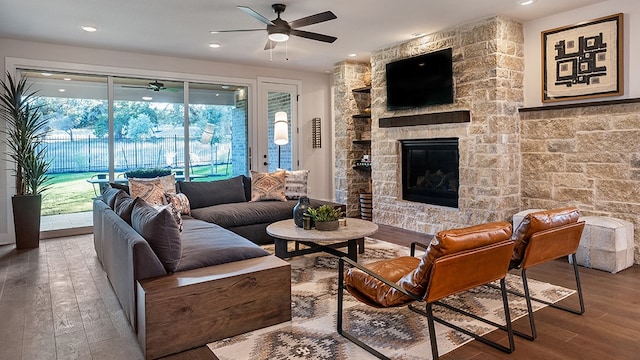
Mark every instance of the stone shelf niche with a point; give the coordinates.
(450, 117)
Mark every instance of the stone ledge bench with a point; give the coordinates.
(606, 243)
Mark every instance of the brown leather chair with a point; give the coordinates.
(541, 237)
(455, 260)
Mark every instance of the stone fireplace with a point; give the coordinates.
(430, 171)
(488, 70)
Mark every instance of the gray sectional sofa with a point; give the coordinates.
(185, 288)
(226, 203)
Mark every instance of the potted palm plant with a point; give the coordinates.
(25, 128)
(325, 217)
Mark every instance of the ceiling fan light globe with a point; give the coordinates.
(278, 37)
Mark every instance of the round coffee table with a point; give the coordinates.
(316, 241)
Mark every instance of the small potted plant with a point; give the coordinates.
(326, 217)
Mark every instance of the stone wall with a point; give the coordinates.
(348, 75)
(488, 70)
(588, 157)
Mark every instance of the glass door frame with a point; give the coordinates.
(261, 141)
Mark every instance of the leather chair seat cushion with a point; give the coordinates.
(539, 221)
(416, 280)
(370, 290)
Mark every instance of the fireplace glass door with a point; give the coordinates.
(430, 171)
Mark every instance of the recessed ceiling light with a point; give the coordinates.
(526, 2)
(66, 79)
(214, 45)
(62, 90)
(89, 28)
(353, 55)
(46, 74)
(147, 98)
(225, 86)
(214, 32)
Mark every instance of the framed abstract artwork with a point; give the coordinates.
(583, 60)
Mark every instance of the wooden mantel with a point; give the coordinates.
(450, 117)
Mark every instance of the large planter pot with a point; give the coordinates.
(26, 220)
(327, 225)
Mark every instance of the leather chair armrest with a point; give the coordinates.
(414, 244)
(344, 259)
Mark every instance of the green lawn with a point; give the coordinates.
(71, 192)
(68, 193)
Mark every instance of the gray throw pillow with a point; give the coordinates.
(160, 230)
(123, 207)
(110, 194)
(203, 194)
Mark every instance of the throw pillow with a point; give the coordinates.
(152, 190)
(160, 230)
(122, 187)
(208, 193)
(109, 196)
(180, 201)
(295, 184)
(175, 213)
(123, 207)
(267, 186)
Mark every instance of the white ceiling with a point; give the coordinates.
(181, 27)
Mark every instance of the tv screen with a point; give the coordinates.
(420, 81)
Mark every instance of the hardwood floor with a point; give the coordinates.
(56, 303)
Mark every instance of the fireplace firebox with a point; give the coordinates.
(430, 171)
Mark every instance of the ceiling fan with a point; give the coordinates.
(155, 86)
(279, 30)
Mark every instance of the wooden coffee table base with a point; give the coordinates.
(282, 249)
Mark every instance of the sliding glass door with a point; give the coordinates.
(103, 126)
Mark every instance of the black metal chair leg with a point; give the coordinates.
(341, 331)
(527, 297)
(508, 327)
(432, 331)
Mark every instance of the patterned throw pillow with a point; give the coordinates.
(267, 186)
(180, 201)
(152, 190)
(295, 184)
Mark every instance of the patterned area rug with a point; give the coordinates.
(398, 333)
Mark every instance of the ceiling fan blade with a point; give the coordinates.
(255, 15)
(228, 31)
(270, 45)
(134, 87)
(313, 19)
(313, 36)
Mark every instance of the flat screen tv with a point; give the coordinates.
(420, 81)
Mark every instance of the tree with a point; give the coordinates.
(140, 127)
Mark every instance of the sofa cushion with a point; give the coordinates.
(202, 194)
(267, 186)
(160, 230)
(241, 214)
(205, 244)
